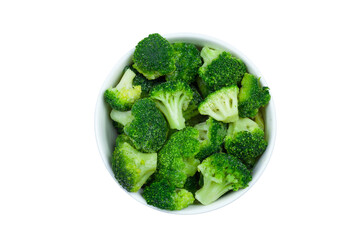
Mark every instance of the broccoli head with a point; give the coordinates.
(245, 140)
(176, 159)
(123, 96)
(187, 62)
(221, 173)
(163, 195)
(154, 57)
(220, 69)
(252, 96)
(148, 129)
(221, 105)
(173, 98)
(211, 137)
(131, 168)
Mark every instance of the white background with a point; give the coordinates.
(54, 56)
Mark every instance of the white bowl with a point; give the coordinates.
(106, 134)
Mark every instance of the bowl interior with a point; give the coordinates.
(106, 134)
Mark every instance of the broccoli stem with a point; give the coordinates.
(211, 191)
(172, 107)
(121, 117)
(126, 80)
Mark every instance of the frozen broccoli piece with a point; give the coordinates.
(252, 96)
(221, 173)
(131, 167)
(220, 69)
(123, 96)
(154, 57)
(163, 195)
(245, 140)
(187, 62)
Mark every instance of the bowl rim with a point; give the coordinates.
(270, 108)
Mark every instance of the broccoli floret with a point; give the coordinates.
(162, 194)
(211, 137)
(123, 96)
(131, 167)
(148, 129)
(245, 140)
(146, 84)
(172, 98)
(192, 109)
(154, 57)
(221, 105)
(252, 96)
(221, 173)
(176, 159)
(220, 69)
(187, 62)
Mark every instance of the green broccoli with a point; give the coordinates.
(211, 137)
(144, 124)
(220, 69)
(221, 173)
(163, 195)
(123, 96)
(172, 98)
(131, 168)
(245, 140)
(252, 96)
(222, 105)
(148, 130)
(154, 57)
(176, 160)
(187, 62)
(192, 109)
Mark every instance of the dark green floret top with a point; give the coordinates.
(190, 123)
(252, 96)
(177, 159)
(220, 69)
(187, 62)
(154, 57)
(148, 130)
(163, 195)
